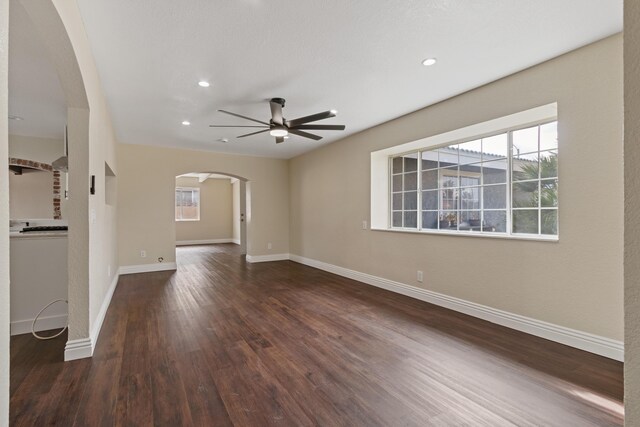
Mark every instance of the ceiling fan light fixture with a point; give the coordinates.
(279, 132)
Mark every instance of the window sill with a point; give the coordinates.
(538, 238)
(187, 220)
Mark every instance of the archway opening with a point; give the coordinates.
(212, 208)
(48, 100)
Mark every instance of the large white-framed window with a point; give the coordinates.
(187, 204)
(498, 178)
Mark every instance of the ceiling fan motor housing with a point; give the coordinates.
(278, 101)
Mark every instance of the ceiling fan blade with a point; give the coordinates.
(252, 133)
(321, 127)
(276, 113)
(305, 134)
(279, 139)
(243, 117)
(237, 126)
(311, 118)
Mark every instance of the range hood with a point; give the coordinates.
(61, 164)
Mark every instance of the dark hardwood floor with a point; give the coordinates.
(222, 342)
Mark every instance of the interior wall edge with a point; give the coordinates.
(632, 212)
(4, 214)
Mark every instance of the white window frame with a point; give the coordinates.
(194, 189)
(381, 171)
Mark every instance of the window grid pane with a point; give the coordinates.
(460, 175)
(534, 183)
(404, 188)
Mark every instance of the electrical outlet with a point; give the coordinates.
(143, 254)
(269, 245)
(420, 276)
(364, 224)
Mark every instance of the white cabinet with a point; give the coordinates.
(38, 276)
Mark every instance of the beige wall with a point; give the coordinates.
(215, 211)
(576, 283)
(44, 150)
(632, 212)
(4, 217)
(146, 182)
(31, 195)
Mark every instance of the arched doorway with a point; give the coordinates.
(49, 25)
(212, 208)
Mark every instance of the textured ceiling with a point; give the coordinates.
(35, 93)
(361, 57)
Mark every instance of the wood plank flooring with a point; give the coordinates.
(221, 342)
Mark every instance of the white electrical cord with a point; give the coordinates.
(33, 325)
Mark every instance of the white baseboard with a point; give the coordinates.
(97, 326)
(267, 258)
(78, 349)
(45, 323)
(204, 242)
(606, 347)
(236, 241)
(147, 268)
(82, 348)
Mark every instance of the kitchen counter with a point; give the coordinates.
(32, 234)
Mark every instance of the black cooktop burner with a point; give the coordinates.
(45, 228)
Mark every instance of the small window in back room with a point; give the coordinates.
(187, 204)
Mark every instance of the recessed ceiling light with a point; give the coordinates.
(186, 123)
(279, 132)
(429, 62)
(225, 140)
(15, 118)
(203, 83)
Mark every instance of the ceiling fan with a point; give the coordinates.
(280, 127)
